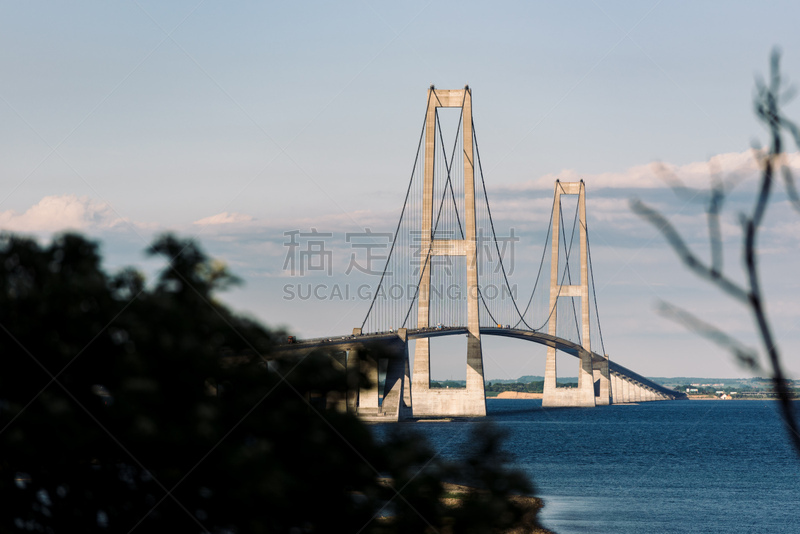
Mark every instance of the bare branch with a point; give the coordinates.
(682, 250)
(681, 190)
(744, 355)
(766, 104)
(714, 231)
(791, 188)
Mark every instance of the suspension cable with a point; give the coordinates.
(541, 262)
(441, 203)
(402, 213)
(430, 244)
(566, 267)
(491, 223)
(594, 293)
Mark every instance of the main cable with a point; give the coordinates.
(491, 223)
(402, 212)
(544, 255)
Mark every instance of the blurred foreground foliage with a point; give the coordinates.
(153, 407)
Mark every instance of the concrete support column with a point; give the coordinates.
(549, 389)
(602, 383)
(337, 400)
(353, 380)
(475, 392)
(615, 393)
(368, 394)
(393, 388)
(406, 406)
(396, 394)
(586, 397)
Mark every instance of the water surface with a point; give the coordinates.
(679, 466)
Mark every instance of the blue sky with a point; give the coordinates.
(238, 123)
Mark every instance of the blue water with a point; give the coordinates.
(681, 466)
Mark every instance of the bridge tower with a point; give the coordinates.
(469, 402)
(588, 394)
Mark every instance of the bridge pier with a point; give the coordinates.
(369, 401)
(558, 397)
(337, 400)
(627, 388)
(396, 393)
(429, 402)
(367, 395)
(616, 389)
(602, 385)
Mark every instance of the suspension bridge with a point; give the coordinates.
(445, 275)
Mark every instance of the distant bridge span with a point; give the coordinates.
(626, 386)
(445, 239)
(344, 342)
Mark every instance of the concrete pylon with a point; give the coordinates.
(617, 390)
(602, 382)
(368, 394)
(396, 395)
(584, 395)
(427, 402)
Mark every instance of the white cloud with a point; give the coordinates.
(225, 218)
(61, 212)
(695, 174)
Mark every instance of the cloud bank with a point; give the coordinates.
(62, 212)
(695, 174)
(224, 218)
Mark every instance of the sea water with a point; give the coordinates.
(672, 466)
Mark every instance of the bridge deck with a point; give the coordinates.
(536, 337)
(564, 345)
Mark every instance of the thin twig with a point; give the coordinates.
(766, 105)
(687, 256)
(745, 355)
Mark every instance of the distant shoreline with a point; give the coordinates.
(737, 398)
(523, 395)
(516, 395)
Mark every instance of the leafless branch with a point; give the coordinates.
(767, 107)
(791, 188)
(746, 356)
(686, 255)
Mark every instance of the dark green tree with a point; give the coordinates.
(127, 406)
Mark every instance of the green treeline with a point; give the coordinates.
(534, 386)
